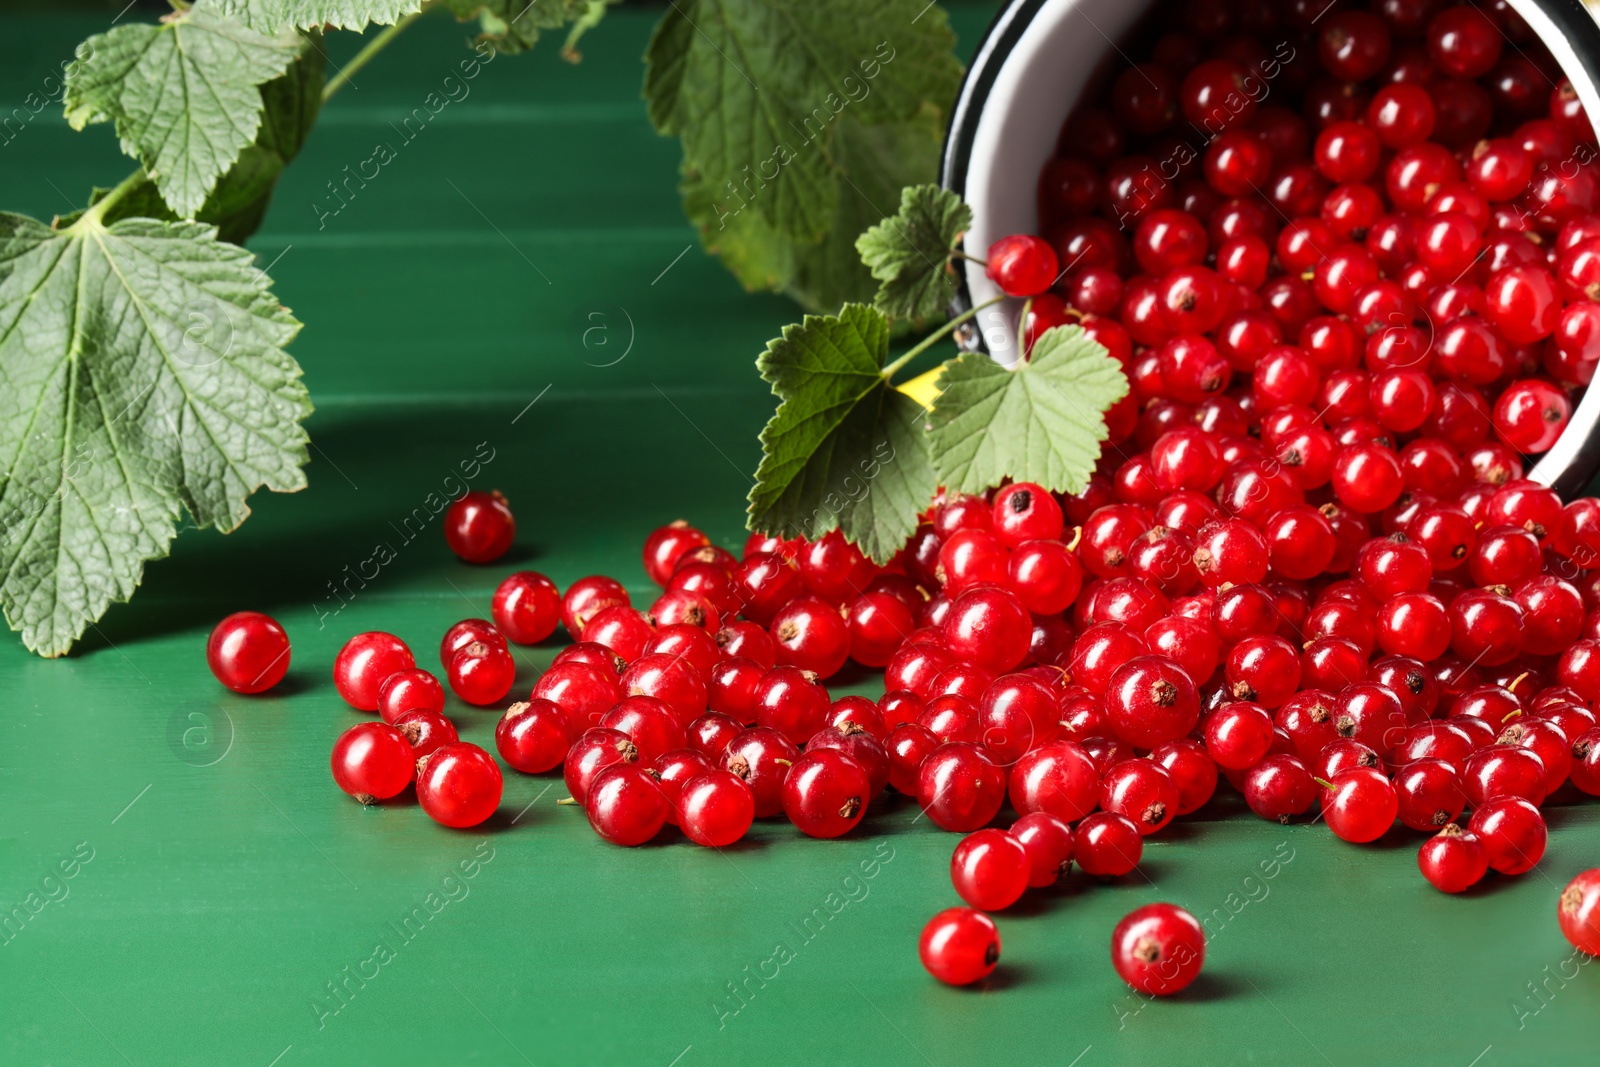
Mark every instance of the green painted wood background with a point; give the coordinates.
(527, 249)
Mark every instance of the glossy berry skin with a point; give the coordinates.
(409, 690)
(672, 771)
(527, 607)
(1453, 860)
(990, 869)
(364, 663)
(1022, 265)
(479, 527)
(1513, 834)
(582, 691)
(1238, 735)
(988, 627)
(810, 633)
(959, 946)
(459, 785)
(1048, 842)
(671, 680)
(1108, 845)
(854, 741)
(425, 731)
(1026, 512)
(1057, 779)
(716, 808)
(762, 758)
(907, 746)
(586, 597)
(668, 544)
(482, 674)
(592, 753)
(1142, 790)
(1359, 805)
(648, 723)
(465, 632)
(1279, 787)
(1530, 415)
(960, 787)
(248, 652)
(1150, 700)
(624, 630)
(1578, 912)
(711, 733)
(826, 793)
(532, 736)
(792, 702)
(1158, 949)
(625, 805)
(372, 761)
(1429, 794)
(1192, 770)
(878, 624)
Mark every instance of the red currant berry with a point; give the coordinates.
(1151, 700)
(479, 527)
(1048, 843)
(248, 652)
(1022, 265)
(1578, 912)
(1108, 845)
(582, 692)
(465, 633)
(482, 674)
(1142, 790)
(1158, 949)
(1359, 804)
(960, 946)
(592, 753)
(373, 761)
(1453, 860)
(762, 758)
(588, 596)
(990, 869)
(960, 787)
(1058, 779)
(365, 663)
(1279, 787)
(459, 785)
(625, 805)
(826, 793)
(989, 628)
(1513, 834)
(669, 678)
(527, 607)
(667, 545)
(811, 633)
(409, 690)
(716, 807)
(532, 736)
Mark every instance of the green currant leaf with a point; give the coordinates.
(239, 202)
(1041, 421)
(144, 375)
(909, 252)
(185, 95)
(880, 161)
(271, 16)
(846, 449)
(761, 93)
(512, 26)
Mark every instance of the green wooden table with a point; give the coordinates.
(182, 884)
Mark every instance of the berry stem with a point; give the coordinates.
(370, 49)
(970, 259)
(928, 341)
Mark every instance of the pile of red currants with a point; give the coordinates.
(1353, 283)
